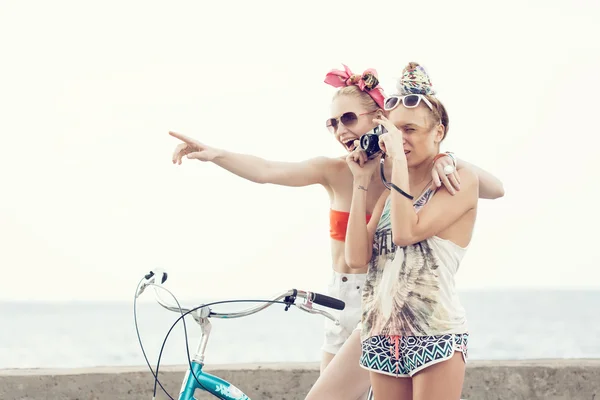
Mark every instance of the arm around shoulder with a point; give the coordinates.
(490, 187)
(441, 211)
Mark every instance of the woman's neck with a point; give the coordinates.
(419, 175)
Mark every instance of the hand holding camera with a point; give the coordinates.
(360, 164)
(390, 140)
(369, 142)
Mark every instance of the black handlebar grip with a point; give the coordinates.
(327, 301)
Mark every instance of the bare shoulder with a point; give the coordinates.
(327, 164)
(324, 161)
(334, 165)
(469, 186)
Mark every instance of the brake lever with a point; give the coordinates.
(311, 310)
(148, 281)
(151, 279)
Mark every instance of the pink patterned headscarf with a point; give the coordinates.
(367, 82)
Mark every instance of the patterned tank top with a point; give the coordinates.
(410, 291)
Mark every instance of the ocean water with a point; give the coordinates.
(522, 324)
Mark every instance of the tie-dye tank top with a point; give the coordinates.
(410, 291)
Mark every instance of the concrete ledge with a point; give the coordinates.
(514, 380)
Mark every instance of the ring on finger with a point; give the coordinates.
(448, 169)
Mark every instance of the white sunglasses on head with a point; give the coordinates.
(408, 101)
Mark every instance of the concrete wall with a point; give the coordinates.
(514, 380)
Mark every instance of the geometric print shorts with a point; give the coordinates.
(404, 356)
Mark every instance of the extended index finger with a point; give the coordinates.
(182, 137)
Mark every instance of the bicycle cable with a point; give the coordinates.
(137, 331)
(182, 317)
(186, 338)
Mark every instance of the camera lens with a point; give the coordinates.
(364, 142)
(370, 144)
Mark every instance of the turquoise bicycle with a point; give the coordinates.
(195, 378)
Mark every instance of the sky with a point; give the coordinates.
(88, 92)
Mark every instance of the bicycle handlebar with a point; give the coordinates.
(327, 301)
(158, 277)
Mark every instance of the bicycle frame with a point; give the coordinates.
(215, 386)
(209, 383)
(195, 378)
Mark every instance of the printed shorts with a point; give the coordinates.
(404, 356)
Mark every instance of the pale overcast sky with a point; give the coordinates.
(89, 90)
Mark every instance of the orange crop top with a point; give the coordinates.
(338, 224)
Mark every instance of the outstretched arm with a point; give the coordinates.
(254, 168)
(259, 170)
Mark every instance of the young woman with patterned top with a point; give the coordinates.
(414, 329)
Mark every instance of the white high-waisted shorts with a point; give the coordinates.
(348, 288)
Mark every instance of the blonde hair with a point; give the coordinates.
(365, 100)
